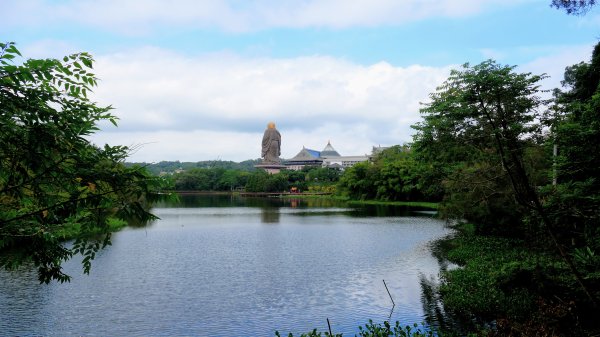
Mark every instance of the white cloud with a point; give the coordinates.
(48, 48)
(217, 106)
(543, 59)
(141, 17)
(554, 64)
(195, 145)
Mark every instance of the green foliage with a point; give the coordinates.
(394, 175)
(298, 179)
(400, 175)
(220, 179)
(313, 333)
(417, 204)
(171, 167)
(477, 131)
(482, 193)
(532, 263)
(384, 329)
(328, 189)
(573, 204)
(322, 174)
(358, 181)
(574, 7)
(209, 179)
(487, 264)
(506, 281)
(51, 177)
(261, 181)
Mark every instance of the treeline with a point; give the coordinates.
(170, 167)
(221, 179)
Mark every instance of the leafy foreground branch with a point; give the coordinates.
(53, 181)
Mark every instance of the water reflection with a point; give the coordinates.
(433, 307)
(270, 215)
(234, 200)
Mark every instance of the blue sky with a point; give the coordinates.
(199, 80)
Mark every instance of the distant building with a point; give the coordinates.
(329, 151)
(306, 157)
(329, 157)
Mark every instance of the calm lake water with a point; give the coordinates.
(231, 266)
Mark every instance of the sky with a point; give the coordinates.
(194, 80)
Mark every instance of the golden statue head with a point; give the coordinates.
(271, 125)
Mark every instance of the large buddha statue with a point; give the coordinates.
(271, 145)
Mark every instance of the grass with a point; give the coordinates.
(424, 204)
(71, 232)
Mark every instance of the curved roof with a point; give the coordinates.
(306, 154)
(329, 151)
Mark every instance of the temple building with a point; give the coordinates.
(328, 157)
(306, 157)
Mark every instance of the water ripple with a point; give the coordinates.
(229, 272)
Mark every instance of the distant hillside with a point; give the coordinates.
(172, 166)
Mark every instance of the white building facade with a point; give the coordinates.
(329, 157)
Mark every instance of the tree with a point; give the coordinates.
(483, 114)
(574, 7)
(358, 181)
(323, 174)
(231, 180)
(574, 202)
(395, 174)
(261, 181)
(482, 120)
(51, 177)
(297, 179)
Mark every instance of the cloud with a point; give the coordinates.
(216, 106)
(142, 17)
(48, 48)
(543, 59)
(173, 145)
(174, 102)
(554, 63)
(197, 145)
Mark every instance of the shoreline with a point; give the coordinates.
(314, 195)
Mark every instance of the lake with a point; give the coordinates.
(222, 265)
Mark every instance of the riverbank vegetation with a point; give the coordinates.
(524, 171)
(310, 179)
(384, 329)
(508, 285)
